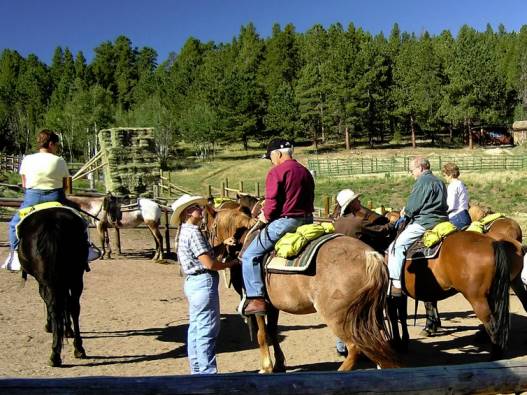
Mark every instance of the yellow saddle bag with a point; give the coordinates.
(433, 236)
(291, 244)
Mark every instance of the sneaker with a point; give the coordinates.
(93, 253)
(341, 348)
(12, 262)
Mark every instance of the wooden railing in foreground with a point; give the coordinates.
(479, 378)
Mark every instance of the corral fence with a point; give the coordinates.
(12, 163)
(396, 164)
(478, 378)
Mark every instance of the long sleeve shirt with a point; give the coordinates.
(289, 191)
(427, 204)
(457, 198)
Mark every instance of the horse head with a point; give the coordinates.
(478, 211)
(112, 207)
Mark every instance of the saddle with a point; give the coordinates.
(300, 263)
(26, 212)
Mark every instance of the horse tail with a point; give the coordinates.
(499, 296)
(365, 322)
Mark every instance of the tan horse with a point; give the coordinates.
(500, 229)
(347, 286)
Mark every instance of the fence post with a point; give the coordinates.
(241, 187)
(169, 183)
(222, 193)
(210, 190)
(325, 200)
(257, 188)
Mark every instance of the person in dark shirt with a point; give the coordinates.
(358, 222)
(426, 207)
(289, 197)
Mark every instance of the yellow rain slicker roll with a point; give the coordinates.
(491, 218)
(437, 233)
(41, 206)
(475, 226)
(291, 244)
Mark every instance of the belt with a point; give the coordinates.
(201, 271)
(305, 216)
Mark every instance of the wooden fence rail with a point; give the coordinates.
(478, 378)
(362, 165)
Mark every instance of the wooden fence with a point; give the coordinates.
(479, 378)
(10, 162)
(362, 165)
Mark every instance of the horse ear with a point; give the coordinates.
(211, 210)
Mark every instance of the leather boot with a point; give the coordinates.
(256, 306)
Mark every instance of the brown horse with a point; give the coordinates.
(502, 228)
(347, 287)
(477, 266)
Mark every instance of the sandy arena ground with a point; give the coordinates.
(134, 323)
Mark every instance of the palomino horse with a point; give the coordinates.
(54, 249)
(477, 266)
(501, 228)
(347, 287)
(107, 209)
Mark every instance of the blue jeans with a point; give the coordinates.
(398, 248)
(32, 197)
(262, 244)
(461, 220)
(204, 321)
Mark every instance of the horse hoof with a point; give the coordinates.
(80, 354)
(428, 332)
(47, 328)
(55, 362)
(279, 369)
(265, 371)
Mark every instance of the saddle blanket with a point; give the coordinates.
(419, 251)
(26, 212)
(301, 263)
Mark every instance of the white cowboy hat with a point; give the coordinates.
(345, 197)
(182, 203)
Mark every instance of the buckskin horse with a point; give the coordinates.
(478, 267)
(54, 250)
(347, 286)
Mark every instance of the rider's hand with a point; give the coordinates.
(261, 217)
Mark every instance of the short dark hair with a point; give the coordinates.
(46, 136)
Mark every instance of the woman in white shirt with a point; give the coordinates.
(44, 177)
(457, 197)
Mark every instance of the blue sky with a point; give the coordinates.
(38, 26)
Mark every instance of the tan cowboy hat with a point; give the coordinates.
(345, 197)
(182, 203)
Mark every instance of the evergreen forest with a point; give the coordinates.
(324, 84)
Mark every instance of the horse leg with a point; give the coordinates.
(433, 322)
(272, 330)
(48, 327)
(56, 309)
(351, 358)
(154, 230)
(75, 308)
(398, 312)
(484, 314)
(102, 231)
(118, 240)
(266, 364)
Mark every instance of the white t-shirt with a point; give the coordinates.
(44, 171)
(457, 197)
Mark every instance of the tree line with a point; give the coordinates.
(323, 84)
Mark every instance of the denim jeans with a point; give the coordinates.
(32, 197)
(398, 248)
(204, 321)
(461, 220)
(262, 244)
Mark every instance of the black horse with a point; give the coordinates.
(54, 249)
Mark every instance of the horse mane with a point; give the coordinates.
(478, 211)
(232, 222)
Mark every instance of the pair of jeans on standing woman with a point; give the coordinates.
(32, 197)
(201, 291)
(262, 244)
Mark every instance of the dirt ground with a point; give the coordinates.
(134, 322)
